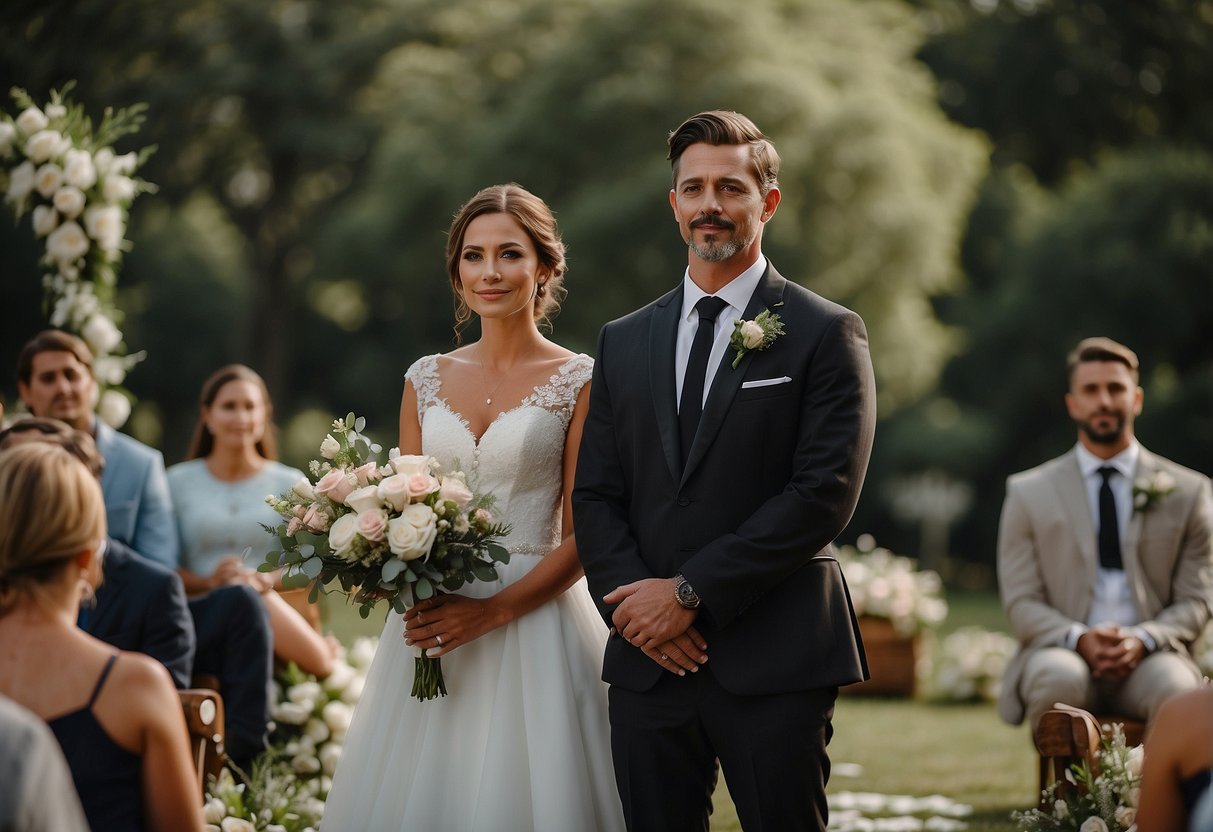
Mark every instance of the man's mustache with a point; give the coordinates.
(720, 222)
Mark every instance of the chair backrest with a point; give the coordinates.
(1067, 735)
(204, 719)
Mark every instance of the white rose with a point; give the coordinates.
(329, 447)
(104, 224)
(330, 755)
(46, 220)
(69, 201)
(31, 121)
(1133, 798)
(353, 691)
(410, 535)
(337, 716)
(305, 764)
(394, 491)
(237, 825)
(214, 811)
(304, 489)
(118, 188)
(362, 653)
(1133, 762)
(342, 532)
(1126, 816)
(1093, 824)
(456, 490)
(21, 182)
(409, 464)
(304, 693)
(751, 335)
(336, 681)
(102, 159)
(55, 111)
(44, 145)
(48, 179)
(100, 334)
(316, 730)
(114, 408)
(79, 170)
(290, 713)
(8, 134)
(364, 499)
(67, 243)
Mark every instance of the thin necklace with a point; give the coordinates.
(488, 400)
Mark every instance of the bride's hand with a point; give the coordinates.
(440, 624)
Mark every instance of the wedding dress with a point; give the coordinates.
(522, 740)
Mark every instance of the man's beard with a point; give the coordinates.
(1107, 437)
(715, 252)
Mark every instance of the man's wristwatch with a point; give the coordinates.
(684, 594)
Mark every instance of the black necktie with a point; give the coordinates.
(1109, 529)
(691, 406)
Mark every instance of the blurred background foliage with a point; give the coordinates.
(986, 182)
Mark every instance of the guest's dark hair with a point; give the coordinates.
(1101, 349)
(51, 340)
(719, 127)
(76, 442)
(536, 219)
(203, 442)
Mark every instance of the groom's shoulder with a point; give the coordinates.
(805, 301)
(640, 317)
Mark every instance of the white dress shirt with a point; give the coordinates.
(736, 293)
(1113, 600)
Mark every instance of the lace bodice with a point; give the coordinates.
(518, 459)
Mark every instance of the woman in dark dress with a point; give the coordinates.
(116, 714)
(1178, 763)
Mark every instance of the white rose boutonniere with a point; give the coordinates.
(1149, 490)
(757, 334)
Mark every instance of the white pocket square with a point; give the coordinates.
(764, 382)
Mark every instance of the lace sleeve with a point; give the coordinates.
(424, 376)
(559, 395)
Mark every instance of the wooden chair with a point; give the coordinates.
(1066, 735)
(204, 719)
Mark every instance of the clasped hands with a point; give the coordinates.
(232, 570)
(649, 617)
(1111, 652)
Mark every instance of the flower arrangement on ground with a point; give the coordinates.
(55, 165)
(269, 799)
(885, 585)
(397, 533)
(967, 665)
(1107, 794)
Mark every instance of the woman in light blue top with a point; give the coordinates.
(219, 498)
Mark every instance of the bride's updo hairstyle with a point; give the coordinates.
(52, 510)
(535, 217)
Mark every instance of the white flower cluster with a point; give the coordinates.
(969, 663)
(78, 191)
(885, 585)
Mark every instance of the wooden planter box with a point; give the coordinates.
(892, 659)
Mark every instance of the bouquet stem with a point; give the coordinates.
(427, 679)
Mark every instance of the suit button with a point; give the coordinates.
(684, 501)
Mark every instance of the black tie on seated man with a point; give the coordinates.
(141, 606)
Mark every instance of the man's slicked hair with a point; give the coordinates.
(725, 127)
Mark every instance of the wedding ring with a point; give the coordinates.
(439, 640)
(664, 657)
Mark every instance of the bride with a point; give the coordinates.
(522, 741)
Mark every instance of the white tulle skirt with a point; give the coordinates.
(521, 742)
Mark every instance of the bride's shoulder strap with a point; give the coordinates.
(424, 375)
(559, 394)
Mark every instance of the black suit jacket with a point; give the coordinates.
(772, 478)
(141, 606)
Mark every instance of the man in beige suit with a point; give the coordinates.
(1105, 558)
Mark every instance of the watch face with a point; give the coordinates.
(687, 595)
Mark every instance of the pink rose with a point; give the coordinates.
(294, 527)
(482, 518)
(367, 474)
(455, 490)
(420, 485)
(335, 485)
(394, 491)
(315, 519)
(372, 524)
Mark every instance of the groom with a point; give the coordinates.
(710, 478)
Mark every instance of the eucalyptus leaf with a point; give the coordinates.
(349, 420)
(311, 567)
(391, 569)
(360, 424)
(423, 589)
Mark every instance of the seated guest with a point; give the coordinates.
(140, 605)
(219, 499)
(115, 714)
(36, 790)
(1178, 763)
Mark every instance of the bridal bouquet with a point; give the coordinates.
(399, 532)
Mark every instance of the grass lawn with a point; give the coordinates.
(903, 747)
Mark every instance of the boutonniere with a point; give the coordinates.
(757, 334)
(1149, 490)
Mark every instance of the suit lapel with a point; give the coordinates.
(663, 333)
(727, 381)
(1147, 466)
